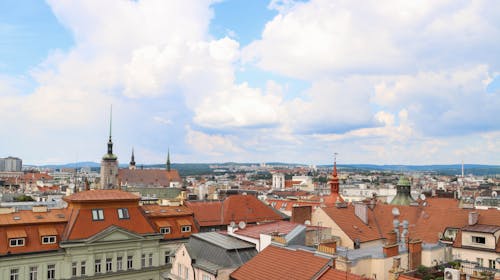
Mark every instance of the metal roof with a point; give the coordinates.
(223, 241)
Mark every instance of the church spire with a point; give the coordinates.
(335, 180)
(168, 160)
(132, 160)
(110, 142)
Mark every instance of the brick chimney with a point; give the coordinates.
(391, 247)
(473, 218)
(415, 251)
(301, 214)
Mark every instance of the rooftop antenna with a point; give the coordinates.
(110, 119)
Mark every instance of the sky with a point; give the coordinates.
(380, 82)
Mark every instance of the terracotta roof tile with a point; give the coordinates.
(425, 222)
(281, 263)
(148, 177)
(101, 195)
(235, 208)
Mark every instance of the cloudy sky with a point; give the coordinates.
(383, 82)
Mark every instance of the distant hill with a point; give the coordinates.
(188, 169)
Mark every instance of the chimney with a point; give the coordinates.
(415, 251)
(390, 250)
(473, 218)
(301, 214)
(396, 269)
(392, 238)
(360, 210)
(329, 248)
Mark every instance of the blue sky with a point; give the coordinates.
(384, 82)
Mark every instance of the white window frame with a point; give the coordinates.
(18, 242)
(14, 274)
(150, 259)
(123, 213)
(165, 230)
(130, 262)
(143, 260)
(97, 214)
(83, 268)
(51, 272)
(97, 266)
(119, 263)
(109, 264)
(74, 269)
(33, 272)
(49, 239)
(186, 229)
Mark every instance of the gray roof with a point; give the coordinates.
(212, 251)
(224, 241)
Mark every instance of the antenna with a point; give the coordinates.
(110, 119)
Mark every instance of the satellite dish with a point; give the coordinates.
(395, 211)
(494, 194)
(307, 222)
(242, 225)
(422, 196)
(232, 224)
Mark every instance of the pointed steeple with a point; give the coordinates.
(334, 188)
(168, 160)
(109, 155)
(132, 160)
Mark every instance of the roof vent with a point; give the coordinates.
(163, 211)
(16, 218)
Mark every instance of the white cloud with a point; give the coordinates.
(212, 145)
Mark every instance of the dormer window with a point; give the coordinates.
(50, 239)
(16, 242)
(97, 214)
(165, 230)
(186, 229)
(478, 240)
(123, 213)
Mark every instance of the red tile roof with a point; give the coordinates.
(148, 177)
(425, 222)
(235, 208)
(101, 195)
(31, 226)
(281, 263)
(81, 225)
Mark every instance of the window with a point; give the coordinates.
(179, 270)
(83, 268)
(205, 277)
(478, 240)
(97, 214)
(186, 229)
(165, 230)
(73, 268)
(167, 257)
(129, 262)
(109, 264)
(480, 261)
(150, 259)
(33, 273)
(16, 242)
(143, 260)
(51, 272)
(14, 274)
(97, 266)
(186, 273)
(119, 263)
(49, 239)
(491, 264)
(123, 213)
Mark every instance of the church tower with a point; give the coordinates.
(131, 165)
(109, 163)
(168, 160)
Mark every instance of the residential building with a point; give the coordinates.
(210, 255)
(11, 164)
(217, 215)
(102, 234)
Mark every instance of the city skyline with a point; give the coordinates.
(379, 82)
